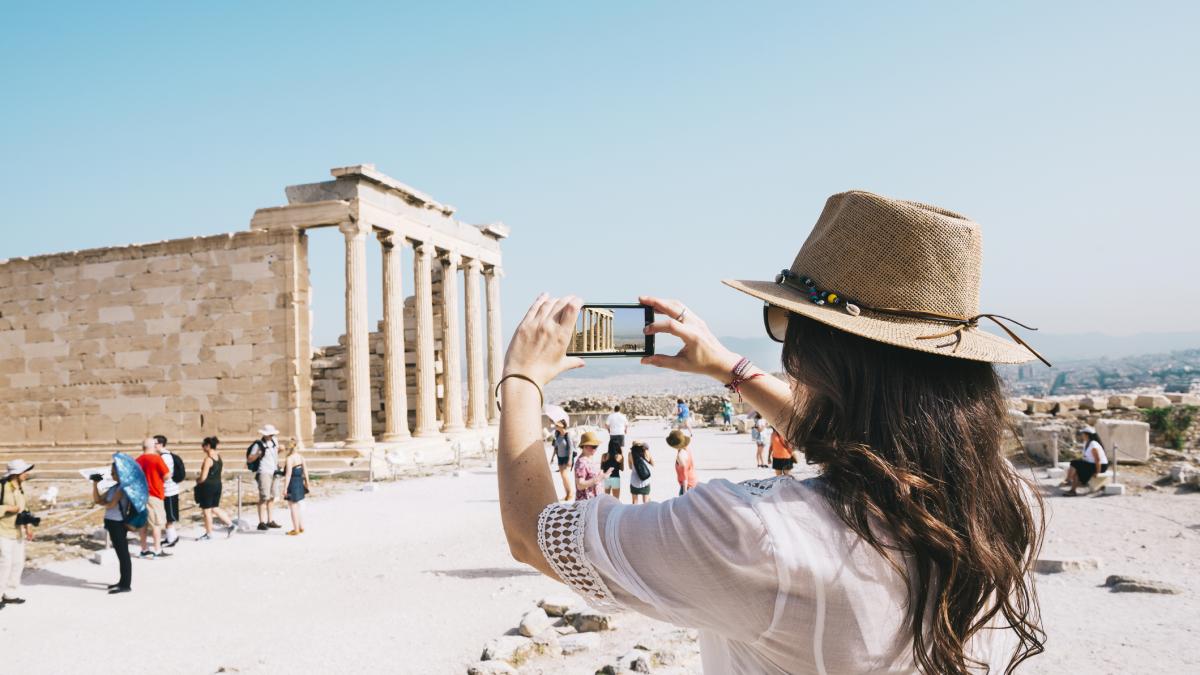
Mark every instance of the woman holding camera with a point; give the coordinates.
(16, 527)
(115, 505)
(911, 551)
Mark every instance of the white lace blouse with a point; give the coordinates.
(769, 574)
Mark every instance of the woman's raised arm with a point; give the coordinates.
(538, 351)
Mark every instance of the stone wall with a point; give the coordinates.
(189, 338)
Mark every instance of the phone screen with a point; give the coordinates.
(612, 329)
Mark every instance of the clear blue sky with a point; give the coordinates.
(632, 147)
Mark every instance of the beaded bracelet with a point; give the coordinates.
(740, 377)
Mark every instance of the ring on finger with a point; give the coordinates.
(682, 314)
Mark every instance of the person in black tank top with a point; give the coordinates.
(616, 462)
(208, 489)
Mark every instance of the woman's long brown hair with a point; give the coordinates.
(911, 442)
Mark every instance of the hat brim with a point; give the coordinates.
(975, 344)
(27, 469)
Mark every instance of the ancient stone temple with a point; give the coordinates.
(211, 335)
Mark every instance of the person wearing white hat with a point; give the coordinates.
(13, 534)
(262, 457)
(1094, 461)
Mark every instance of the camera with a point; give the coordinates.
(27, 518)
(96, 478)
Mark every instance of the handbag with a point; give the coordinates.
(642, 469)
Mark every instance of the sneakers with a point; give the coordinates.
(12, 601)
(262, 526)
(162, 554)
(231, 530)
(292, 533)
(148, 555)
(204, 537)
(273, 525)
(170, 544)
(119, 589)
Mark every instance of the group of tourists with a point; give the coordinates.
(583, 477)
(142, 496)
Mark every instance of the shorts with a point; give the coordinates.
(782, 463)
(171, 506)
(563, 462)
(156, 515)
(612, 483)
(268, 484)
(643, 490)
(727, 418)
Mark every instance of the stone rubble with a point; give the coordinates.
(1055, 566)
(535, 622)
(1123, 584)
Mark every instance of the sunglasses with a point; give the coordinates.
(775, 319)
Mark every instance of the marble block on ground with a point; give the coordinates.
(1128, 440)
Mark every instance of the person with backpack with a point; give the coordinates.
(116, 505)
(563, 452)
(156, 474)
(262, 458)
(176, 474)
(640, 462)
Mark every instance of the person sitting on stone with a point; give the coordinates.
(1094, 461)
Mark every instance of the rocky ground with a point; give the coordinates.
(416, 577)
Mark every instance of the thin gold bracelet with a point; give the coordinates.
(519, 376)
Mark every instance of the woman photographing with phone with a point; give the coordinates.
(910, 551)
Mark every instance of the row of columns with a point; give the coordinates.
(597, 330)
(480, 412)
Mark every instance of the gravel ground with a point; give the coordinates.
(415, 577)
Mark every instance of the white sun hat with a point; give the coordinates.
(17, 467)
(268, 430)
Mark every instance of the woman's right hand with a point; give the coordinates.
(702, 353)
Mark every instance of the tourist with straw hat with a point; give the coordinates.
(685, 465)
(911, 551)
(587, 476)
(15, 530)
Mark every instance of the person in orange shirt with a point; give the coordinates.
(783, 457)
(685, 466)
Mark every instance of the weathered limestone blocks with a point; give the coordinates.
(1130, 440)
(1152, 401)
(1121, 401)
(1093, 403)
(143, 324)
(1183, 399)
(1043, 442)
(1039, 405)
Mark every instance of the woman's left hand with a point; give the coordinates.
(539, 346)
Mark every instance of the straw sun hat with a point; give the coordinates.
(898, 272)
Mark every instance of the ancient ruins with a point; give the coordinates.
(595, 330)
(212, 335)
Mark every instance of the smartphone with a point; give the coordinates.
(612, 329)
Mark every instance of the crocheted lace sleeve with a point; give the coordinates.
(561, 529)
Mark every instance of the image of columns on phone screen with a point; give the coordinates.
(609, 330)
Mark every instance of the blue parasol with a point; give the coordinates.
(133, 481)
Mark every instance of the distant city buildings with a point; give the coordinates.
(1173, 372)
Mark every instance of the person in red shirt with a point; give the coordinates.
(156, 473)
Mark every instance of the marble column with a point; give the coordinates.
(476, 413)
(358, 350)
(452, 417)
(587, 331)
(395, 382)
(426, 424)
(491, 280)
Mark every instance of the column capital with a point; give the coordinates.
(389, 239)
(493, 271)
(353, 228)
(474, 264)
(452, 258)
(423, 249)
